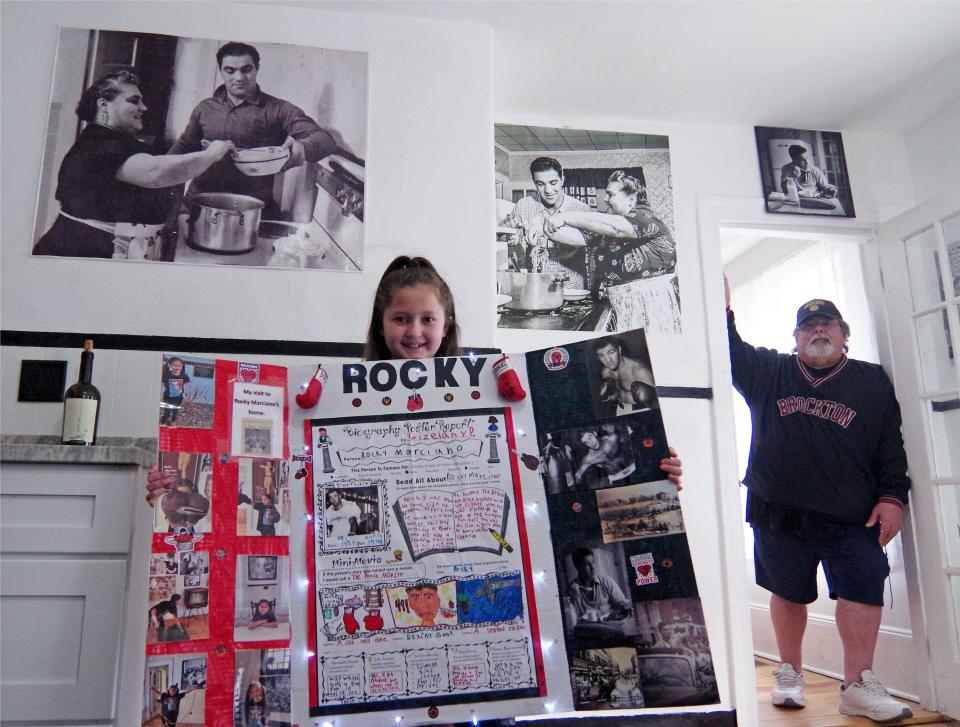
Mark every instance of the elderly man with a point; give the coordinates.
(810, 180)
(827, 482)
(541, 254)
(239, 111)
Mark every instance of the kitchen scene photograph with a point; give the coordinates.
(804, 172)
(584, 238)
(207, 152)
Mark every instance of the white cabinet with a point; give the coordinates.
(68, 603)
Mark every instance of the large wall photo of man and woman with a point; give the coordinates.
(585, 230)
(203, 151)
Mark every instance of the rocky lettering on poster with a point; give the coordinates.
(385, 376)
(420, 566)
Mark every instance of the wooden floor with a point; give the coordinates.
(823, 697)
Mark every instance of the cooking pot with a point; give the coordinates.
(223, 223)
(532, 291)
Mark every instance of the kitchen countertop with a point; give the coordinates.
(109, 450)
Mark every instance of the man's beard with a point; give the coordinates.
(820, 348)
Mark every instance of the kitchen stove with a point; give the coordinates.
(571, 316)
(340, 205)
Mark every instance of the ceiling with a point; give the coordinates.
(542, 138)
(868, 65)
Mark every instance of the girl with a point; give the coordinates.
(413, 317)
(413, 313)
(263, 616)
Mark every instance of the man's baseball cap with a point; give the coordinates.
(817, 307)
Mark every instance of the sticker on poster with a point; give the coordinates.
(257, 426)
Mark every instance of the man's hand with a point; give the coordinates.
(159, 483)
(890, 517)
(297, 153)
(553, 223)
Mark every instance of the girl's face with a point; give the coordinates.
(414, 322)
(263, 607)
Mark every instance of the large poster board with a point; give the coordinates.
(218, 630)
(450, 613)
(633, 621)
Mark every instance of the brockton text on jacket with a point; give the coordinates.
(823, 408)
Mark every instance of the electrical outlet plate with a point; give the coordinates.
(42, 381)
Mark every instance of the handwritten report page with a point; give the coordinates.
(422, 592)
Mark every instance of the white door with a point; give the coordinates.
(920, 262)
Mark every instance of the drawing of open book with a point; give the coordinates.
(437, 521)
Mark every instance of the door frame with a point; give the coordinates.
(916, 427)
(713, 214)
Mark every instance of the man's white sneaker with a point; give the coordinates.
(787, 687)
(869, 698)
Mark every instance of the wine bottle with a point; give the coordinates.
(81, 404)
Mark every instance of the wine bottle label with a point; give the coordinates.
(79, 420)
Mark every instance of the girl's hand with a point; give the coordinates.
(673, 468)
(158, 483)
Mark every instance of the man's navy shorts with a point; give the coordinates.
(853, 562)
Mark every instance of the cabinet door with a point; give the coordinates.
(60, 625)
(65, 508)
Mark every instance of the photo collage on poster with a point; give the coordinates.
(219, 582)
(633, 622)
(420, 565)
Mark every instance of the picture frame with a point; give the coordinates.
(193, 672)
(803, 172)
(261, 568)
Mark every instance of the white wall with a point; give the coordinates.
(934, 152)
(429, 91)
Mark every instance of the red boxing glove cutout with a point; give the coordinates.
(508, 383)
(309, 398)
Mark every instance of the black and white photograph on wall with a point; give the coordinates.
(204, 151)
(804, 172)
(585, 230)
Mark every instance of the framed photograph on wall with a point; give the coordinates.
(262, 568)
(558, 189)
(804, 172)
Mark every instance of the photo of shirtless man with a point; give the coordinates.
(626, 382)
(608, 459)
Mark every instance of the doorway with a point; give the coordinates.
(772, 271)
